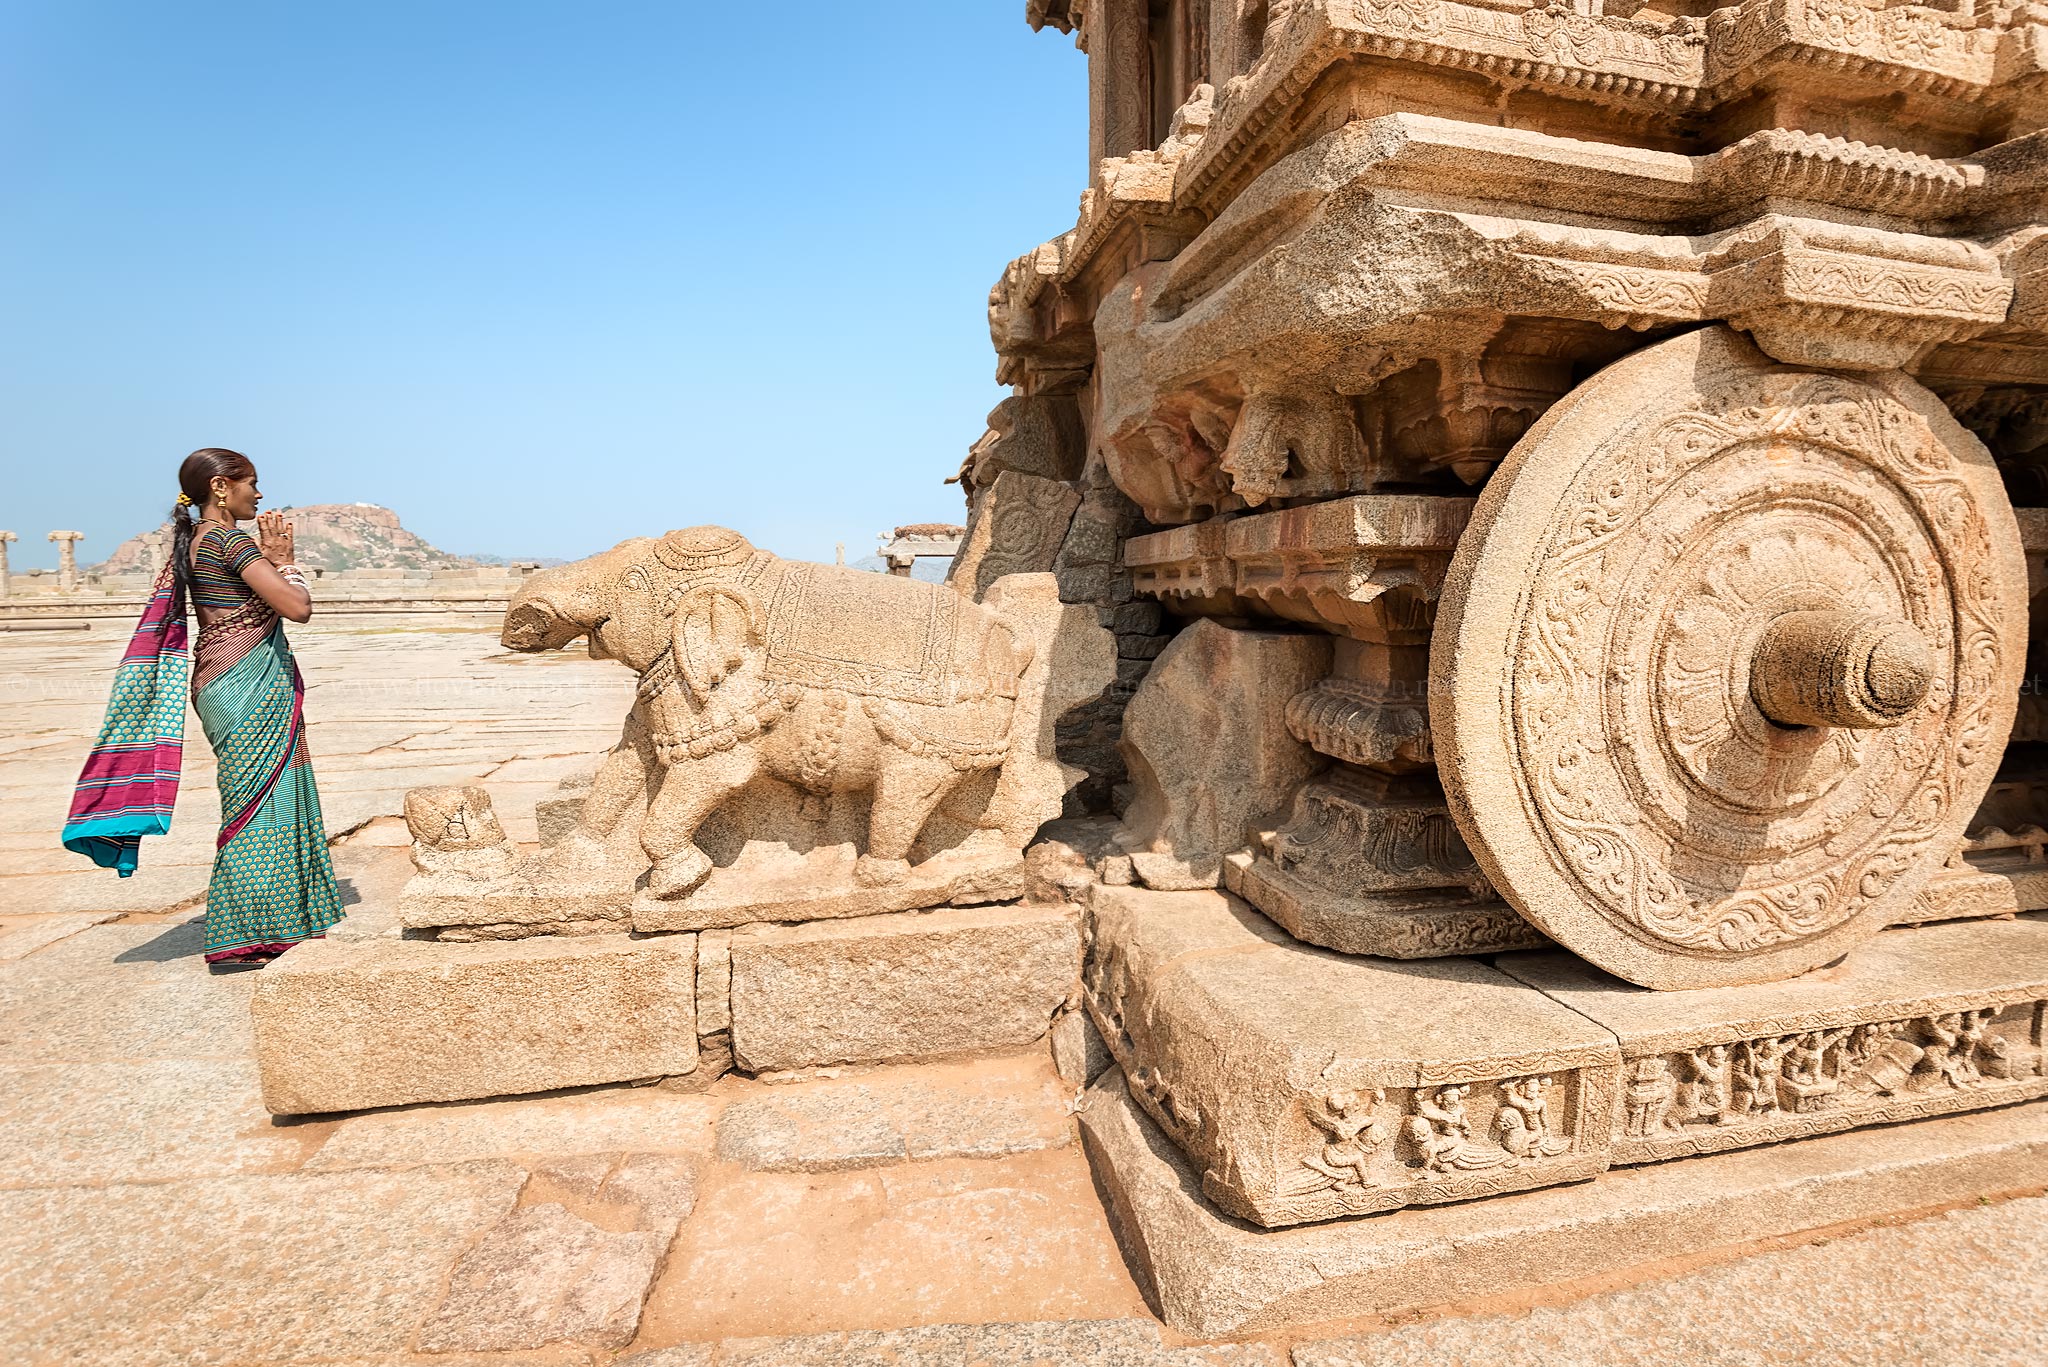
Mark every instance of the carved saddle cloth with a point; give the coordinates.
(868, 634)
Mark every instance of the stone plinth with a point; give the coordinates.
(1918, 1022)
(820, 886)
(1212, 1275)
(1307, 1085)
(344, 1026)
(1406, 924)
(913, 985)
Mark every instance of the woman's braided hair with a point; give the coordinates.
(195, 486)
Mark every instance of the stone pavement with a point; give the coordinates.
(151, 1212)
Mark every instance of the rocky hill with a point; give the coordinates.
(332, 536)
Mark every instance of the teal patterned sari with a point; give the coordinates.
(273, 881)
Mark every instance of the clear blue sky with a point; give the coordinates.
(540, 276)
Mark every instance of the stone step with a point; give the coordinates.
(345, 1024)
(1210, 1275)
(1306, 1085)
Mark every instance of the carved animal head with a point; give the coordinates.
(643, 595)
(554, 607)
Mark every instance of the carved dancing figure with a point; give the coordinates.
(1443, 1136)
(1346, 1119)
(1524, 1120)
(1993, 1051)
(1706, 1095)
(1807, 1076)
(1763, 1065)
(1883, 1062)
(1650, 1091)
(1941, 1060)
(1973, 1041)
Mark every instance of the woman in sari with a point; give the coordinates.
(272, 883)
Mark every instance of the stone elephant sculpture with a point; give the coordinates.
(831, 679)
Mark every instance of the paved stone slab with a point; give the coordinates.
(1078, 1052)
(156, 886)
(907, 986)
(236, 1270)
(660, 1189)
(541, 1276)
(963, 1110)
(1914, 1022)
(1968, 1288)
(557, 1356)
(32, 933)
(1098, 1343)
(130, 991)
(969, 1240)
(388, 1022)
(1211, 1275)
(608, 1121)
(145, 1121)
(1307, 1084)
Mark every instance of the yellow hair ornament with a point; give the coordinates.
(184, 500)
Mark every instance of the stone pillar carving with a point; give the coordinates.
(1114, 35)
(6, 585)
(67, 559)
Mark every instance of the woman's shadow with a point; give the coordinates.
(187, 939)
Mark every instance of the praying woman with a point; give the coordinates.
(273, 882)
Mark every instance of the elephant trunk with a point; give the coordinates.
(542, 614)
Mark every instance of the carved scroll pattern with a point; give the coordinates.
(1758, 1091)
(1674, 548)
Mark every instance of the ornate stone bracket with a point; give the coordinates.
(1368, 566)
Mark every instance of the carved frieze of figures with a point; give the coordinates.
(1441, 1134)
(1754, 1091)
(1350, 1135)
(1648, 1098)
(1524, 1120)
(1370, 1152)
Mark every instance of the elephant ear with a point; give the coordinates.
(716, 625)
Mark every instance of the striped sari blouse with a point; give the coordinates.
(224, 552)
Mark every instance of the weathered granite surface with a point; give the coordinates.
(915, 985)
(1307, 1085)
(1211, 1275)
(341, 1027)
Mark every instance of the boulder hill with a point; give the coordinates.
(332, 536)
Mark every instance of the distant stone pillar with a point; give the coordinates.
(6, 585)
(67, 560)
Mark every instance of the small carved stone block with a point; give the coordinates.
(455, 831)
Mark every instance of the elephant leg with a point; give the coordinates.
(690, 791)
(907, 789)
(619, 783)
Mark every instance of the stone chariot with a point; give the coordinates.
(1488, 651)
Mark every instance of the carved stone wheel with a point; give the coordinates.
(1726, 660)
